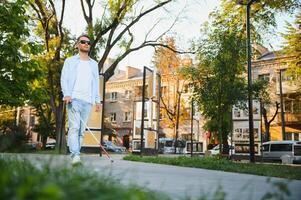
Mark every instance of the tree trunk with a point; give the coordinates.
(268, 123)
(267, 132)
(61, 144)
(178, 114)
(44, 141)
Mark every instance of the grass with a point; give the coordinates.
(222, 164)
(21, 180)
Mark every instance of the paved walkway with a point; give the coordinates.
(178, 182)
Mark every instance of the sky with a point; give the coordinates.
(194, 13)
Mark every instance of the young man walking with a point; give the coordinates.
(80, 86)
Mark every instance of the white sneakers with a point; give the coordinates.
(76, 160)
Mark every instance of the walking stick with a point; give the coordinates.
(101, 147)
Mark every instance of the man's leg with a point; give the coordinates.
(85, 113)
(74, 127)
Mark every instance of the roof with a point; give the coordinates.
(267, 56)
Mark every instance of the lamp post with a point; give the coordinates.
(102, 110)
(191, 140)
(250, 103)
(281, 106)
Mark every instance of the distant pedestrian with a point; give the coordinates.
(80, 86)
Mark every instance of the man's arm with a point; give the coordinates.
(64, 83)
(97, 92)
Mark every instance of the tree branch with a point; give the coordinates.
(276, 112)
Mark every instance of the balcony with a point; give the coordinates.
(288, 87)
(290, 118)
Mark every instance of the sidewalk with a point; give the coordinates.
(178, 182)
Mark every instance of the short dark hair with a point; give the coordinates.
(83, 35)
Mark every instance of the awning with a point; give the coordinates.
(276, 131)
(287, 129)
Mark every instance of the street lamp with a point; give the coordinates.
(281, 106)
(191, 140)
(250, 103)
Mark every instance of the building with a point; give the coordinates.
(270, 66)
(122, 98)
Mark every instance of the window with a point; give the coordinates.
(163, 90)
(244, 148)
(265, 147)
(32, 120)
(127, 117)
(285, 76)
(288, 105)
(288, 136)
(292, 106)
(113, 96)
(128, 94)
(297, 150)
(113, 117)
(264, 77)
(281, 147)
(186, 88)
(296, 106)
(296, 137)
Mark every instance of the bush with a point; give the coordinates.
(13, 138)
(20, 180)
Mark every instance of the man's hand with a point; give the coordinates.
(67, 99)
(97, 107)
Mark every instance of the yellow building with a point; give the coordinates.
(268, 67)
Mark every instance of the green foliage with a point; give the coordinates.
(17, 70)
(281, 193)
(292, 46)
(13, 138)
(115, 5)
(218, 81)
(21, 180)
(223, 164)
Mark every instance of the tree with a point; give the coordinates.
(219, 81)
(168, 62)
(114, 29)
(55, 47)
(262, 93)
(17, 70)
(292, 47)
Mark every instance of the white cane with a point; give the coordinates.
(103, 149)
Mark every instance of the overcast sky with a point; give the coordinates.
(195, 13)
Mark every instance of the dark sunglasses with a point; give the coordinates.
(85, 42)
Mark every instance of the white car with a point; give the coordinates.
(110, 146)
(215, 150)
(50, 144)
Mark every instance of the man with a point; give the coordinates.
(80, 86)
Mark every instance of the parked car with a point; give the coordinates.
(215, 150)
(50, 144)
(110, 146)
(276, 150)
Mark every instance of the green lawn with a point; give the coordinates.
(222, 164)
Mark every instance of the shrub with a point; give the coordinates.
(20, 180)
(13, 138)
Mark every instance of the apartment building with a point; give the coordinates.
(271, 66)
(123, 95)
